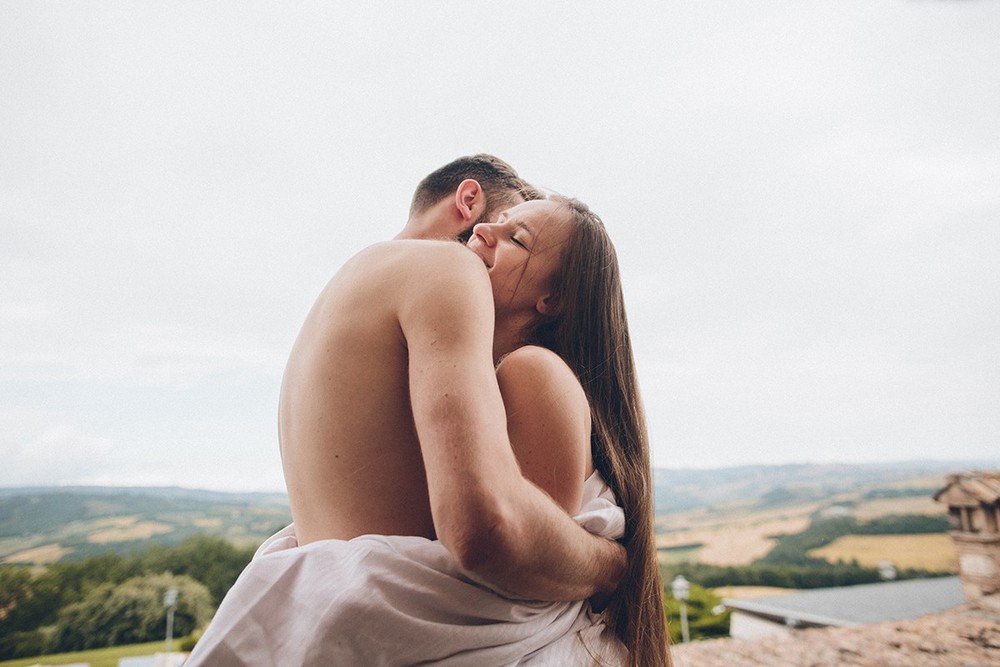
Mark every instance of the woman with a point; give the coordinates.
(581, 319)
(402, 599)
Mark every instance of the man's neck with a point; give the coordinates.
(429, 224)
(413, 230)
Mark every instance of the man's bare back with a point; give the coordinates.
(350, 452)
(391, 422)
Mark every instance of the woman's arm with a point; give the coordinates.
(548, 422)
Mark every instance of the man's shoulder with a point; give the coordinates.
(420, 250)
(430, 261)
(423, 279)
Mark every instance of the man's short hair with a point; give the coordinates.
(497, 178)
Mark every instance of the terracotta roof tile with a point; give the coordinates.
(962, 637)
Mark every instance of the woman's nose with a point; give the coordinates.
(485, 231)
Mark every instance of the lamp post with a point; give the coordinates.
(170, 602)
(681, 589)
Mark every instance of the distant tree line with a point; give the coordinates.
(114, 599)
(812, 575)
(905, 492)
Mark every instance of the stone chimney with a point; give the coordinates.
(973, 501)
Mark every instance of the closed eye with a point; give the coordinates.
(518, 242)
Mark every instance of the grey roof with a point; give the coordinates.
(858, 605)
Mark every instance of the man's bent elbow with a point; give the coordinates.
(479, 541)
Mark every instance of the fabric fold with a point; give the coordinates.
(399, 600)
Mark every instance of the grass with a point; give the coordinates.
(98, 657)
(931, 552)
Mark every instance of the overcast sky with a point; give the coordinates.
(805, 198)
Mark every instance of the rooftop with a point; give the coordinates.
(981, 486)
(961, 637)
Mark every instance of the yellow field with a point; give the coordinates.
(48, 553)
(116, 521)
(925, 481)
(140, 531)
(735, 542)
(11, 545)
(932, 552)
(872, 509)
(208, 522)
(745, 592)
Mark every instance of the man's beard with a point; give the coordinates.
(486, 216)
(466, 234)
(493, 210)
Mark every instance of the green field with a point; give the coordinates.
(99, 657)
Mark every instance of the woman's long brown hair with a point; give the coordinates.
(590, 332)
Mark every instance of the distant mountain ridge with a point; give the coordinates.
(207, 495)
(41, 524)
(684, 489)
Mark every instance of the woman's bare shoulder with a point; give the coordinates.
(538, 364)
(548, 421)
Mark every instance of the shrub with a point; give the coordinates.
(703, 623)
(131, 612)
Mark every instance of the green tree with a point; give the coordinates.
(703, 622)
(131, 612)
(16, 617)
(30, 600)
(214, 561)
(15, 588)
(27, 602)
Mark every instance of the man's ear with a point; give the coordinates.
(470, 200)
(548, 304)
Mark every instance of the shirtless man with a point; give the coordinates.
(391, 421)
(393, 433)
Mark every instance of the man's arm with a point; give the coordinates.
(501, 528)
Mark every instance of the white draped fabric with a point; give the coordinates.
(396, 600)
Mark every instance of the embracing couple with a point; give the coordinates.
(465, 452)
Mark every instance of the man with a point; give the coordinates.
(450, 200)
(391, 421)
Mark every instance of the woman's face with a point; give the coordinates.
(522, 252)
